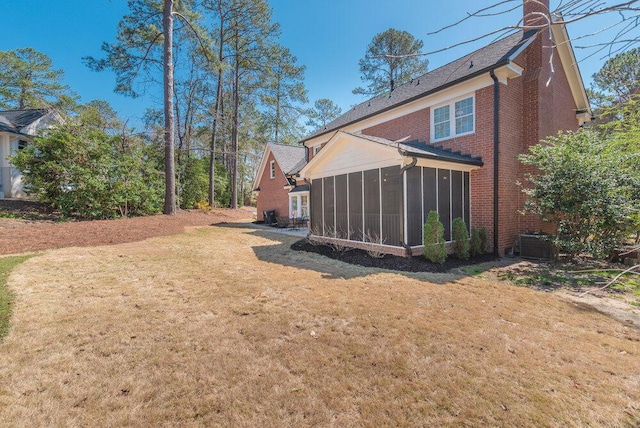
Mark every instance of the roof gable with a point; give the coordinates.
(289, 159)
(27, 122)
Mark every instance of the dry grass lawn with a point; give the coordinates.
(225, 326)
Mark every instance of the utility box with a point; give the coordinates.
(537, 246)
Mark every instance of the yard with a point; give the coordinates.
(227, 326)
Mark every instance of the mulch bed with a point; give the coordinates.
(390, 262)
(34, 228)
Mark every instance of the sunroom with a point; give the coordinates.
(368, 192)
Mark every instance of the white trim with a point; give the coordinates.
(335, 217)
(362, 193)
(563, 45)
(405, 215)
(272, 169)
(348, 210)
(452, 118)
(451, 205)
(380, 202)
(422, 205)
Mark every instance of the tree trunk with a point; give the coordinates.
(169, 166)
(234, 129)
(216, 113)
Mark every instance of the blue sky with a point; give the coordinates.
(327, 36)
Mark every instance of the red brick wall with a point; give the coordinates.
(273, 195)
(415, 125)
(530, 110)
(479, 144)
(548, 107)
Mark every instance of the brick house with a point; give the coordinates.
(277, 184)
(447, 141)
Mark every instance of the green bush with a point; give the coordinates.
(461, 246)
(475, 245)
(433, 234)
(83, 171)
(483, 239)
(587, 185)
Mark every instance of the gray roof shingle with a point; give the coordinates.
(481, 61)
(21, 118)
(290, 158)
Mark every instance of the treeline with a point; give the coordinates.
(235, 88)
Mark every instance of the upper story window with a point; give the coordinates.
(316, 149)
(272, 169)
(453, 119)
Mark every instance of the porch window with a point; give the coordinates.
(462, 123)
(299, 205)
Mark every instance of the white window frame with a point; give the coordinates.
(272, 169)
(452, 118)
(298, 212)
(316, 149)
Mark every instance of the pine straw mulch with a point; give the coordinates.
(27, 226)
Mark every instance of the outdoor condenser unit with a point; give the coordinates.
(537, 246)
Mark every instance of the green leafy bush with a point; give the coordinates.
(83, 171)
(461, 245)
(433, 233)
(483, 239)
(475, 244)
(587, 186)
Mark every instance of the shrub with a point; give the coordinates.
(587, 185)
(483, 239)
(461, 244)
(433, 234)
(475, 245)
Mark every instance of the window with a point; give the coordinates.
(272, 169)
(22, 145)
(299, 205)
(304, 206)
(441, 123)
(316, 149)
(464, 116)
(463, 119)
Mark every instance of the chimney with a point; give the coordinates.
(532, 11)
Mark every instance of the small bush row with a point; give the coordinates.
(463, 246)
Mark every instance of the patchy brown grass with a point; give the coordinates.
(227, 326)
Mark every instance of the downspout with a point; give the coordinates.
(403, 170)
(496, 157)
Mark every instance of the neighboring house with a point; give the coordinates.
(276, 183)
(17, 129)
(447, 141)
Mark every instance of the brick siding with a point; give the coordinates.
(530, 110)
(273, 195)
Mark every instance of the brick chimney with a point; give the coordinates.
(532, 10)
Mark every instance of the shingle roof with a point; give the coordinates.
(7, 126)
(481, 61)
(423, 150)
(290, 158)
(21, 118)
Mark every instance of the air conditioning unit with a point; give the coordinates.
(537, 246)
